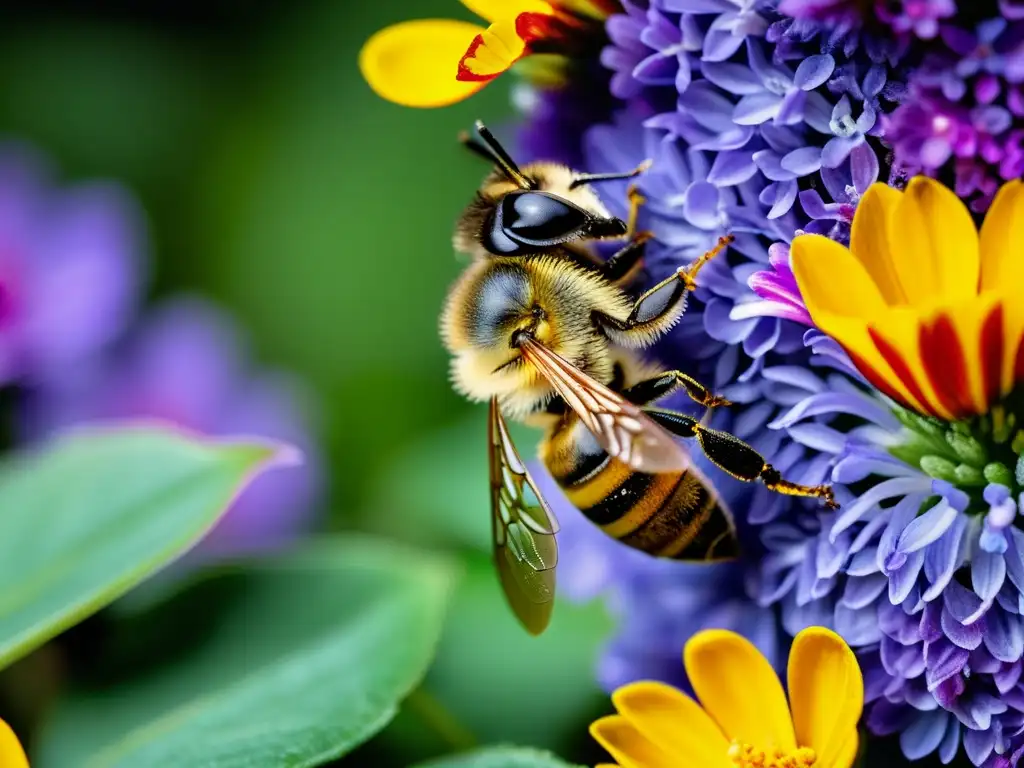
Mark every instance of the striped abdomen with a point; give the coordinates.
(673, 515)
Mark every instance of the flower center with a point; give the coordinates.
(746, 756)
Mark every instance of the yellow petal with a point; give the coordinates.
(416, 63)
(934, 244)
(674, 722)
(627, 745)
(852, 334)
(11, 753)
(869, 240)
(848, 753)
(1002, 240)
(739, 689)
(832, 280)
(493, 52)
(826, 692)
(492, 10)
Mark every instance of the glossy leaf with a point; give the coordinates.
(89, 515)
(308, 660)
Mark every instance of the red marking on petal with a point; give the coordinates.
(465, 74)
(993, 344)
(877, 380)
(535, 26)
(899, 367)
(942, 356)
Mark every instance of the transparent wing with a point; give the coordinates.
(621, 428)
(523, 529)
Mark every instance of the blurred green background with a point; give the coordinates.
(278, 184)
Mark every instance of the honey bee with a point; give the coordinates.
(550, 337)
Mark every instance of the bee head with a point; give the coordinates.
(522, 211)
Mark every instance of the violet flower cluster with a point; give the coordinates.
(75, 345)
(766, 119)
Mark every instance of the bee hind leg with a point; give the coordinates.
(735, 457)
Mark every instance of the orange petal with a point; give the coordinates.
(492, 10)
(1002, 239)
(627, 745)
(832, 280)
(416, 63)
(674, 722)
(826, 692)
(934, 244)
(869, 240)
(739, 689)
(11, 753)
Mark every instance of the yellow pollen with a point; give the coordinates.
(746, 756)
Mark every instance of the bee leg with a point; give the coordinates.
(735, 457)
(658, 309)
(620, 266)
(649, 390)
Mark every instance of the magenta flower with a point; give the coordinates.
(69, 267)
(187, 365)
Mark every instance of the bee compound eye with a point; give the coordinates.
(536, 217)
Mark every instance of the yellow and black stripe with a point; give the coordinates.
(673, 515)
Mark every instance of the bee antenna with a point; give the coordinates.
(498, 155)
(592, 178)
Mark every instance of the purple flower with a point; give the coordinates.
(70, 264)
(777, 286)
(187, 365)
(918, 16)
(922, 569)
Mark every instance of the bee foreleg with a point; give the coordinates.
(658, 309)
(663, 384)
(732, 455)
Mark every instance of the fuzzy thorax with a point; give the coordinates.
(545, 296)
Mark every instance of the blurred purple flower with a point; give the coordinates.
(188, 365)
(921, 17)
(70, 267)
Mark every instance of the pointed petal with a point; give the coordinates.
(739, 689)
(415, 63)
(934, 244)
(1002, 239)
(674, 722)
(627, 745)
(826, 692)
(495, 50)
(869, 240)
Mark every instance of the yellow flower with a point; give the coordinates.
(11, 753)
(436, 62)
(742, 719)
(930, 313)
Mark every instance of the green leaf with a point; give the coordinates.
(309, 660)
(89, 515)
(499, 757)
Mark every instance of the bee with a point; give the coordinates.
(552, 339)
